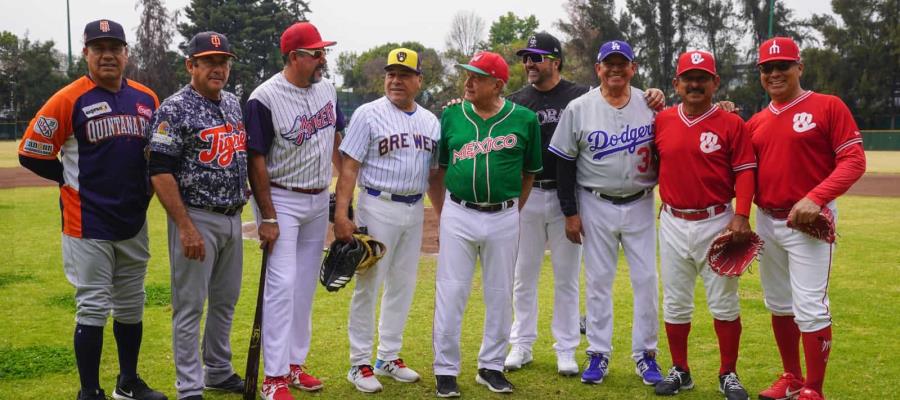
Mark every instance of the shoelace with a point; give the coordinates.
(673, 377)
(366, 371)
(275, 383)
(648, 364)
(398, 363)
(596, 360)
(731, 382)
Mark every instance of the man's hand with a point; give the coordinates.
(728, 106)
(804, 212)
(655, 99)
(268, 234)
(192, 246)
(343, 228)
(739, 226)
(574, 230)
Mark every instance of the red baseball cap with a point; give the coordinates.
(778, 49)
(489, 64)
(302, 35)
(696, 59)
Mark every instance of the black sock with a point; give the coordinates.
(88, 345)
(128, 341)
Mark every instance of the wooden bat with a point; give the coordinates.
(251, 376)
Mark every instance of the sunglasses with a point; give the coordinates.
(316, 54)
(781, 66)
(536, 58)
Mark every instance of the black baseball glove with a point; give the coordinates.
(347, 258)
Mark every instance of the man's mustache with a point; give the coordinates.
(698, 90)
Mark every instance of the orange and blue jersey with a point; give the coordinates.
(100, 137)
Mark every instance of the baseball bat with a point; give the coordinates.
(251, 376)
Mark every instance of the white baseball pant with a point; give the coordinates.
(606, 226)
(466, 235)
(541, 222)
(794, 270)
(291, 277)
(399, 226)
(683, 246)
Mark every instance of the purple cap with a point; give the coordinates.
(615, 47)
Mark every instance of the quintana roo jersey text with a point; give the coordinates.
(396, 149)
(294, 128)
(612, 146)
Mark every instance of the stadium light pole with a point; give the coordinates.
(69, 33)
(771, 16)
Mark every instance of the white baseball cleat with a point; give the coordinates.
(396, 369)
(362, 377)
(518, 357)
(566, 365)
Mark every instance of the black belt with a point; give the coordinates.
(546, 185)
(298, 190)
(483, 208)
(228, 211)
(408, 199)
(619, 200)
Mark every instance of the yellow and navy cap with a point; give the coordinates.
(404, 58)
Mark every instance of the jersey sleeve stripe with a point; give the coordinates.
(744, 166)
(560, 153)
(847, 144)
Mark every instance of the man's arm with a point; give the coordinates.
(262, 194)
(343, 226)
(167, 191)
(527, 182)
(336, 157)
(48, 169)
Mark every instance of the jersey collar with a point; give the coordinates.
(694, 121)
(778, 110)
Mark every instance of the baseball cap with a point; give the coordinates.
(209, 43)
(615, 47)
(488, 64)
(542, 43)
(405, 58)
(103, 29)
(302, 35)
(696, 59)
(778, 49)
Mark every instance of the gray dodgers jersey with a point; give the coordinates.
(396, 149)
(298, 137)
(611, 146)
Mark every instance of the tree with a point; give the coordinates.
(30, 72)
(466, 33)
(715, 24)
(151, 61)
(655, 42)
(591, 22)
(509, 28)
(253, 28)
(365, 72)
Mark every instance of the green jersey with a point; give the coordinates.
(485, 159)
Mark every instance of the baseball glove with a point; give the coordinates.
(332, 204)
(347, 258)
(821, 228)
(729, 258)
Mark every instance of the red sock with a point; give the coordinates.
(816, 347)
(729, 334)
(787, 336)
(678, 343)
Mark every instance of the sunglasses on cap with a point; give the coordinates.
(315, 54)
(536, 58)
(782, 66)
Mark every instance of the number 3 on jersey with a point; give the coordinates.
(645, 154)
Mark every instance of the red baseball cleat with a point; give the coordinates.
(276, 388)
(784, 388)
(809, 394)
(302, 380)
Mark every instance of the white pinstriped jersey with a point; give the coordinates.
(294, 127)
(612, 146)
(396, 149)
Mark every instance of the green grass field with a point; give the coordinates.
(36, 360)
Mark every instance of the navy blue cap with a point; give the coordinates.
(615, 47)
(209, 43)
(103, 29)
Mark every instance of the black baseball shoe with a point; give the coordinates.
(135, 389)
(676, 381)
(446, 386)
(98, 395)
(730, 385)
(233, 384)
(494, 380)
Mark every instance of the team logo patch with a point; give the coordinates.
(163, 133)
(532, 42)
(104, 26)
(96, 109)
(46, 126)
(401, 56)
(603, 143)
(144, 111)
(225, 141)
(696, 58)
(803, 122)
(215, 40)
(615, 46)
(307, 126)
(709, 142)
(39, 148)
(774, 48)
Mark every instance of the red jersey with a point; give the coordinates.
(699, 157)
(799, 144)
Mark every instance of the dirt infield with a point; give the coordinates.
(879, 185)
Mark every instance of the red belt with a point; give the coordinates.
(777, 213)
(298, 190)
(695, 215)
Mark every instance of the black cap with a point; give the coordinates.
(103, 29)
(209, 43)
(543, 43)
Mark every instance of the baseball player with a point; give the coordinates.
(603, 143)
(541, 221)
(390, 146)
(291, 121)
(487, 143)
(705, 160)
(198, 165)
(810, 152)
(99, 125)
